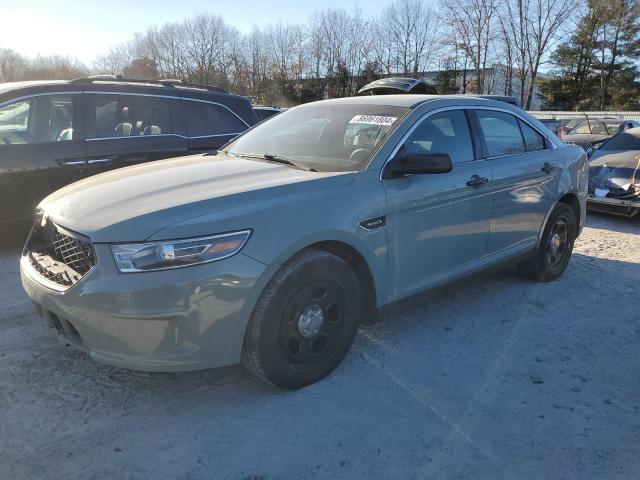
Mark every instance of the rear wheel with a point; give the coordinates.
(556, 245)
(304, 322)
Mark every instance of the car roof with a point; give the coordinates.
(116, 84)
(9, 86)
(413, 100)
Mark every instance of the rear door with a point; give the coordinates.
(127, 129)
(41, 150)
(525, 179)
(210, 125)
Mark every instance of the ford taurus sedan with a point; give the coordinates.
(274, 250)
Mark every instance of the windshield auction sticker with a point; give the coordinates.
(374, 120)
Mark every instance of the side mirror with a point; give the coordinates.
(417, 164)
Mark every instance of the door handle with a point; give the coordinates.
(476, 181)
(547, 167)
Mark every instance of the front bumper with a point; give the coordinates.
(616, 206)
(173, 320)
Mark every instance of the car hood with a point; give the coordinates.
(133, 203)
(615, 171)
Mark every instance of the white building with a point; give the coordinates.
(496, 83)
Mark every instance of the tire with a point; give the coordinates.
(556, 245)
(304, 322)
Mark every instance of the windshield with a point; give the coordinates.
(326, 137)
(622, 141)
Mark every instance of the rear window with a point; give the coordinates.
(532, 139)
(622, 141)
(207, 119)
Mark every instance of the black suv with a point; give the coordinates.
(53, 133)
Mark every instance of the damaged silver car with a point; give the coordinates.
(614, 175)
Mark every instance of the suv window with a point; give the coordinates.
(43, 119)
(445, 132)
(207, 119)
(532, 139)
(127, 116)
(501, 133)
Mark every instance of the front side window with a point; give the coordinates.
(445, 132)
(532, 139)
(334, 137)
(501, 133)
(41, 119)
(127, 116)
(208, 119)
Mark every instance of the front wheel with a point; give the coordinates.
(556, 245)
(305, 321)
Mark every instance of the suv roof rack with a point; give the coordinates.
(169, 82)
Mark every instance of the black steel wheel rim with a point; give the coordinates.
(307, 337)
(558, 243)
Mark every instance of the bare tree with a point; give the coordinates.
(544, 21)
(407, 34)
(472, 23)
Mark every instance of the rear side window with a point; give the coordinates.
(532, 139)
(115, 116)
(501, 133)
(42, 119)
(445, 132)
(207, 119)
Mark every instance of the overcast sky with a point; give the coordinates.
(87, 28)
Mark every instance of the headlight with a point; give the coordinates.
(144, 257)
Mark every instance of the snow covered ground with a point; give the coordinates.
(494, 377)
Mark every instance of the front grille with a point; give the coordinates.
(73, 252)
(585, 145)
(58, 255)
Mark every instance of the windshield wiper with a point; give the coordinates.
(275, 158)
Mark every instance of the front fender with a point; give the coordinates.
(373, 250)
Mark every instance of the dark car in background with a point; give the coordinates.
(614, 175)
(266, 111)
(397, 85)
(593, 131)
(403, 85)
(53, 133)
(551, 123)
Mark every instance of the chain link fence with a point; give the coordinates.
(558, 115)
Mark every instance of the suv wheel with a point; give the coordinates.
(556, 245)
(305, 321)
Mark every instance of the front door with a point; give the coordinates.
(438, 225)
(41, 150)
